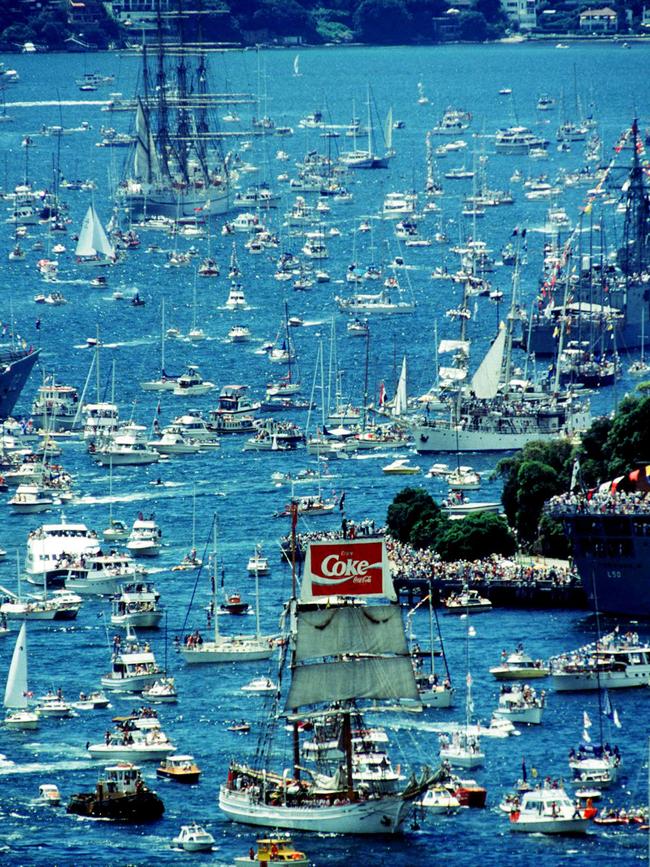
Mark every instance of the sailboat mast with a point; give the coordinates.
(215, 615)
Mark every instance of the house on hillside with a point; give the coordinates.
(521, 12)
(603, 20)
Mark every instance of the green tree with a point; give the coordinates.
(16, 35)
(476, 537)
(409, 506)
(539, 471)
(383, 22)
(628, 441)
(472, 26)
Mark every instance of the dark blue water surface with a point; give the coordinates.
(612, 83)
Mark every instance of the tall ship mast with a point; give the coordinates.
(178, 168)
(346, 648)
(625, 303)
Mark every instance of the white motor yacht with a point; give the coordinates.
(258, 563)
(31, 499)
(521, 704)
(127, 447)
(163, 690)
(467, 602)
(134, 666)
(519, 666)
(615, 662)
(137, 605)
(100, 574)
(550, 811)
(192, 384)
(53, 706)
(133, 745)
(144, 539)
(193, 838)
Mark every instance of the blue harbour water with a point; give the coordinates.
(237, 486)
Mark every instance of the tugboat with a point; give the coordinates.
(120, 795)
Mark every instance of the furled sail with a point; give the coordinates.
(454, 346)
(349, 629)
(383, 678)
(485, 382)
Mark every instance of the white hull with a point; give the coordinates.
(127, 459)
(448, 439)
(95, 587)
(382, 816)
(518, 673)
(550, 826)
(528, 716)
(577, 682)
(170, 203)
(31, 508)
(130, 684)
(462, 758)
(143, 549)
(150, 753)
(143, 620)
(227, 652)
(21, 721)
(440, 698)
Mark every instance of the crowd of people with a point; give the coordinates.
(600, 503)
(426, 564)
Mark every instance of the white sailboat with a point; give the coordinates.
(339, 654)
(93, 246)
(296, 67)
(463, 749)
(640, 367)
(16, 693)
(228, 648)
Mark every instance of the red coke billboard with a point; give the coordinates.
(346, 567)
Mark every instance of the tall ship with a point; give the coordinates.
(607, 295)
(609, 531)
(15, 366)
(494, 411)
(345, 649)
(178, 169)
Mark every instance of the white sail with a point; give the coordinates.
(92, 237)
(399, 404)
(339, 630)
(385, 678)
(388, 137)
(454, 346)
(296, 65)
(453, 373)
(16, 689)
(485, 382)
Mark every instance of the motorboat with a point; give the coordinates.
(519, 666)
(56, 406)
(144, 539)
(258, 563)
(134, 744)
(234, 604)
(402, 467)
(191, 383)
(91, 701)
(615, 662)
(439, 800)
(48, 795)
(117, 531)
(180, 768)
(239, 334)
(521, 704)
(174, 443)
(236, 299)
(31, 499)
(467, 602)
(550, 811)
(121, 794)
(163, 690)
(595, 765)
(463, 479)
(100, 574)
(462, 749)
(53, 706)
(276, 849)
(134, 666)
(58, 605)
(137, 605)
(260, 685)
(193, 838)
(358, 328)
